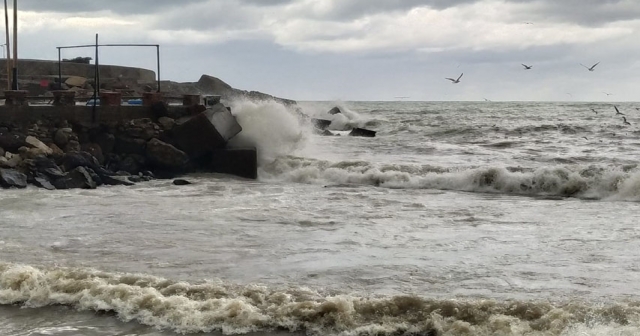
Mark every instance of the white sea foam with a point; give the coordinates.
(233, 309)
(583, 182)
(271, 127)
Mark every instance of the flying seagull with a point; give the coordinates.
(594, 110)
(617, 111)
(625, 121)
(527, 67)
(608, 94)
(457, 80)
(590, 68)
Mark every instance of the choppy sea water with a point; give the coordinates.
(457, 219)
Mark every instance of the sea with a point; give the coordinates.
(458, 218)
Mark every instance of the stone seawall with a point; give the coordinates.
(39, 69)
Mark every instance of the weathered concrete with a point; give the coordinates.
(241, 162)
(206, 131)
(64, 97)
(15, 97)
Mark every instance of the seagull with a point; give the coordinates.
(625, 121)
(455, 81)
(594, 110)
(527, 67)
(608, 94)
(590, 68)
(617, 111)
(485, 99)
(528, 23)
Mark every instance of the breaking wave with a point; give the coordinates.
(592, 182)
(235, 309)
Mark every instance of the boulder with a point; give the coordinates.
(141, 129)
(180, 182)
(62, 137)
(361, 132)
(166, 123)
(95, 150)
(320, 124)
(72, 160)
(10, 178)
(35, 143)
(132, 164)
(77, 178)
(1, 151)
(76, 81)
(11, 142)
(128, 145)
(72, 146)
(43, 181)
(117, 180)
(211, 129)
(106, 141)
(164, 155)
(10, 160)
(335, 110)
(241, 162)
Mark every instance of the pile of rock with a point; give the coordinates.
(57, 154)
(322, 125)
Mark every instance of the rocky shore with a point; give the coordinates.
(61, 154)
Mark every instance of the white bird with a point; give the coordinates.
(457, 80)
(617, 111)
(590, 68)
(527, 67)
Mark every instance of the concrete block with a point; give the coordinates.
(320, 124)
(110, 98)
(64, 97)
(362, 132)
(16, 97)
(241, 162)
(191, 99)
(206, 131)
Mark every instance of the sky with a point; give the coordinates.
(361, 49)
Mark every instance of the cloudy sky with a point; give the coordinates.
(362, 49)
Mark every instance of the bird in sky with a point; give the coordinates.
(617, 111)
(608, 94)
(527, 67)
(590, 68)
(455, 81)
(625, 121)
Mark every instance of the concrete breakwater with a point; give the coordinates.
(72, 146)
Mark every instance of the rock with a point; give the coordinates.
(56, 151)
(206, 131)
(132, 164)
(361, 132)
(335, 110)
(106, 141)
(141, 129)
(320, 124)
(166, 123)
(77, 178)
(43, 181)
(75, 81)
(35, 143)
(10, 178)
(10, 160)
(127, 145)
(95, 150)
(72, 160)
(11, 142)
(1, 151)
(62, 137)
(164, 155)
(180, 182)
(241, 162)
(72, 146)
(117, 180)
(30, 153)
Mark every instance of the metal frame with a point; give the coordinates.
(97, 63)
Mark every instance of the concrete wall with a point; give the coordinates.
(78, 113)
(38, 69)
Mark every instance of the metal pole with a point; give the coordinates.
(15, 44)
(158, 58)
(59, 69)
(8, 59)
(96, 87)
